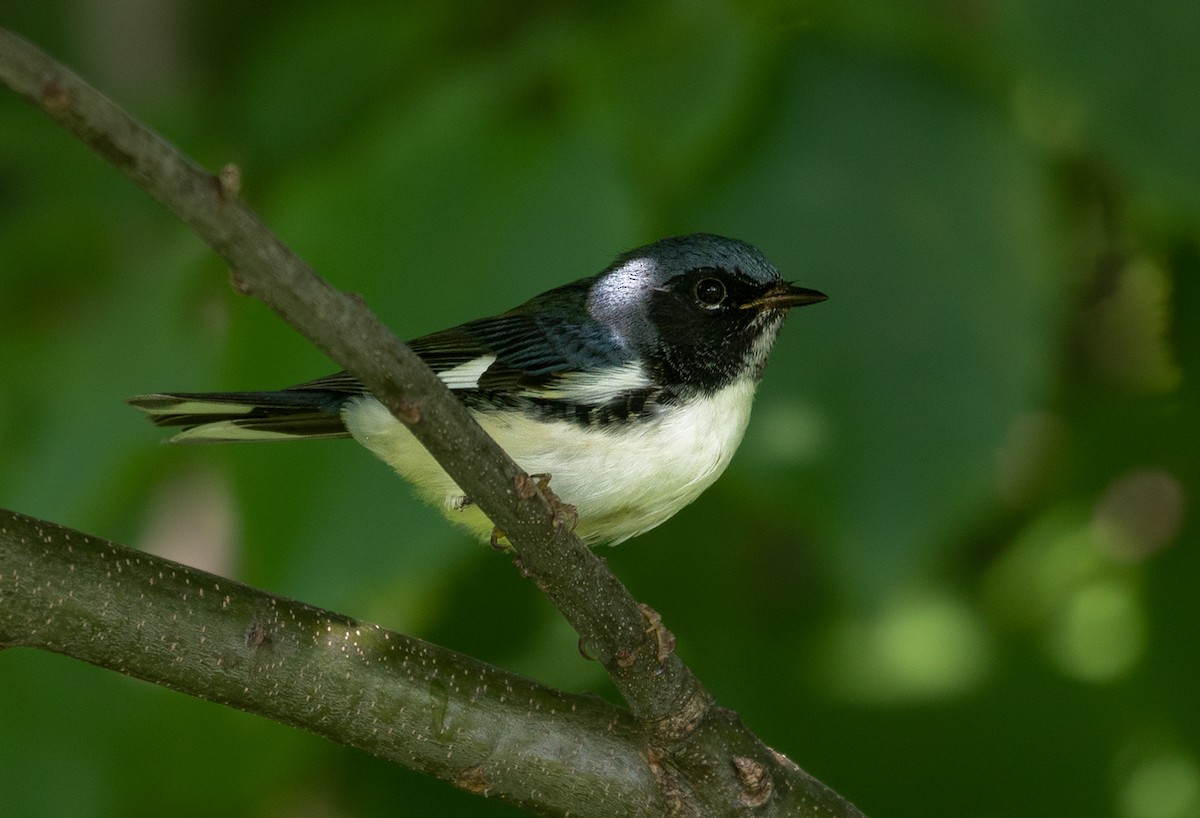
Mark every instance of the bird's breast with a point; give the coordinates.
(623, 478)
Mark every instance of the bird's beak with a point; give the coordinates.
(784, 296)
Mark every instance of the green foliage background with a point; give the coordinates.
(952, 570)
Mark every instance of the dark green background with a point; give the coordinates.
(952, 569)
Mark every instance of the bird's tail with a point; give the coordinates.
(220, 417)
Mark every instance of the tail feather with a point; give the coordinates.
(221, 417)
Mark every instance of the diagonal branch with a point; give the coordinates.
(691, 744)
(341, 326)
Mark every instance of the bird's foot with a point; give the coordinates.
(499, 541)
(565, 515)
(664, 640)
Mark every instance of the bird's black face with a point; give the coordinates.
(714, 325)
(700, 312)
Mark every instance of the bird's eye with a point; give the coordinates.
(710, 292)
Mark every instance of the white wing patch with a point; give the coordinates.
(580, 387)
(467, 375)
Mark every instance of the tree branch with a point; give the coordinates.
(696, 752)
(422, 706)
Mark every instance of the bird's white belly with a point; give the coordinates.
(622, 479)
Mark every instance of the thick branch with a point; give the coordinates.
(425, 707)
(696, 752)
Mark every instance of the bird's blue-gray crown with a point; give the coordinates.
(699, 311)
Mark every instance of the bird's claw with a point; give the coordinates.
(499, 541)
(565, 515)
(664, 640)
(527, 485)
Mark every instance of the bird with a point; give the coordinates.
(630, 390)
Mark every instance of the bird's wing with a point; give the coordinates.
(523, 354)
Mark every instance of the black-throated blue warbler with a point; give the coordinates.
(631, 389)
